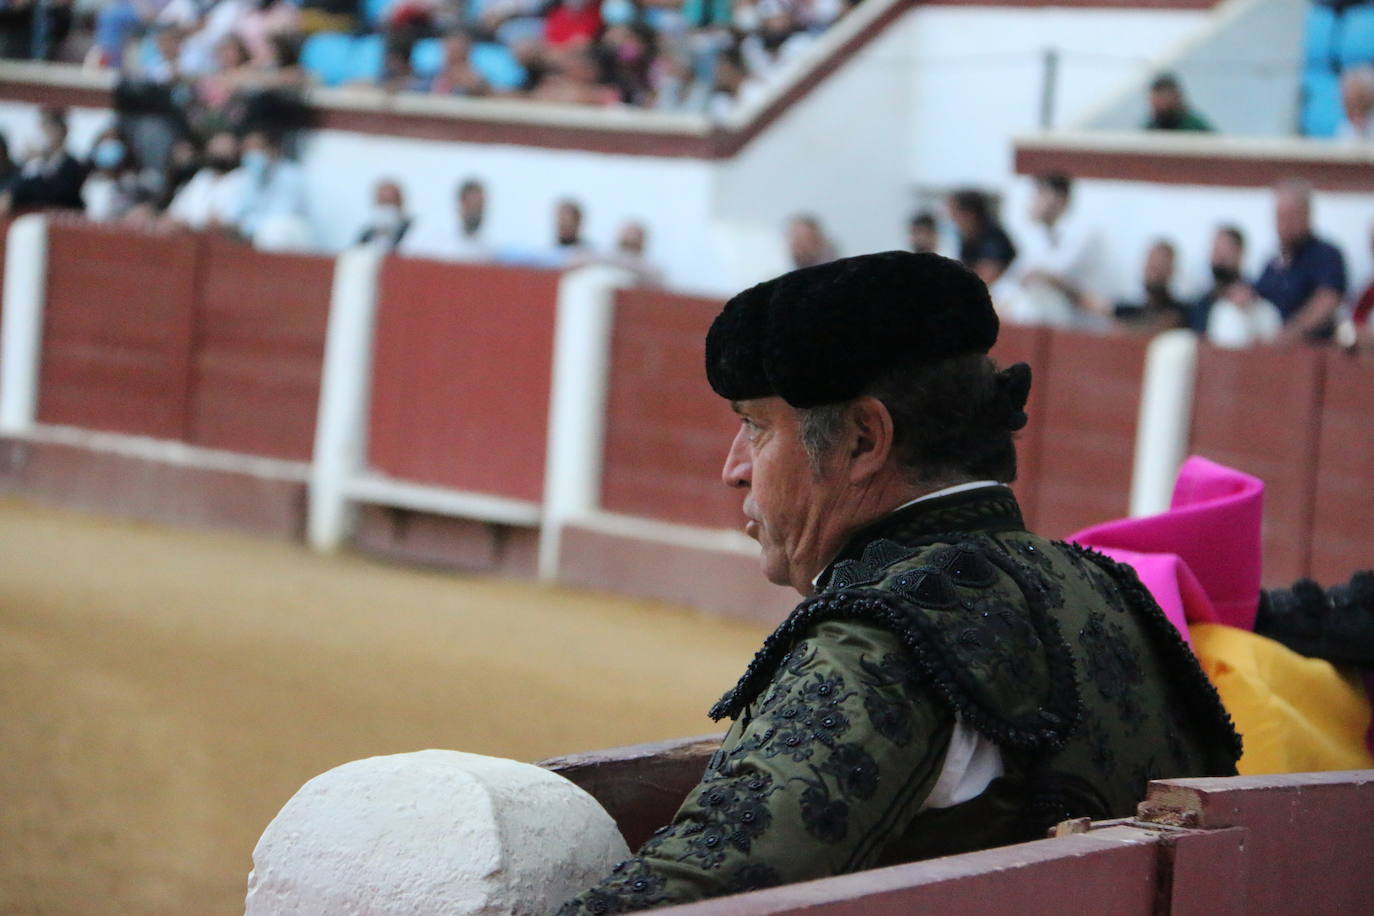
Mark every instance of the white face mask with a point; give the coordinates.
(386, 217)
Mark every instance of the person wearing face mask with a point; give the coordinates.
(211, 198)
(112, 185)
(271, 208)
(388, 222)
(1157, 309)
(50, 176)
(1231, 314)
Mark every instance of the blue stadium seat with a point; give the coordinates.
(326, 55)
(1355, 43)
(427, 57)
(369, 56)
(497, 66)
(1318, 34)
(1321, 102)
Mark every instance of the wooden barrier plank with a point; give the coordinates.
(116, 341)
(1258, 411)
(1108, 872)
(1030, 345)
(461, 375)
(1088, 416)
(1305, 831)
(1342, 535)
(259, 353)
(667, 433)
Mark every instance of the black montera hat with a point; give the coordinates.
(824, 334)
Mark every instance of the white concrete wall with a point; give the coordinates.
(841, 153)
(976, 77)
(1241, 70)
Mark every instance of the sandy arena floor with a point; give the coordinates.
(165, 692)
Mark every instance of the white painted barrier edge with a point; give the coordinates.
(21, 334)
(345, 396)
(577, 402)
(1166, 414)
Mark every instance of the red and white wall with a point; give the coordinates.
(523, 423)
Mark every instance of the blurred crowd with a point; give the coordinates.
(700, 56)
(1053, 276)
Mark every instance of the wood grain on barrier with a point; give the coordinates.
(462, 367)
(667, 432)
(260, 326)
(1258, 410)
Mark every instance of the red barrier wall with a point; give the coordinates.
(667, 433)
(1088, 414)
(461, 376)
(1021, 344)
(259, 349)
(117, 330)
(1342, 533)
(183, 336)
(1257, 410)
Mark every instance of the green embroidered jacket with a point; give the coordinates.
(948, 608)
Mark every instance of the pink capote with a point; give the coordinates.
(1201, 558)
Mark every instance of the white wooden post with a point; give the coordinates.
(1166, 414)
(21, 336)
(345, 394)
(577, 402)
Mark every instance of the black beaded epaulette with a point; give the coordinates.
(915, 606)
(1209, 713)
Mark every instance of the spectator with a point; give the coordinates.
(112, 182)
(183, 162)
(157, 59)
(1306, 279)
(1357, 98)
(630, 245)
(1168, 110)
(263, 24)
(49, 175)
(573, 77)
(457, 77)
(568, 242)
(1157, 309)
(807, 243)
(213, 197)
(1358, 330)
(734, 86)
(388, 222)
(272, 209)
(984, 246)
(7, 167)
(572, 22)
(922, 235)
(627, 51)
(467, 243)
(777, 38)
(1230, 314)
(1057, 266)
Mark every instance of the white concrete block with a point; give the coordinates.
(432, 832)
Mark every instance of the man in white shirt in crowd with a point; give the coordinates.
(1231, 313)
(271, 211)
(465, 241)
(213, 196)
(1057, 268)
